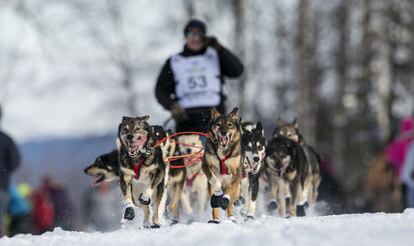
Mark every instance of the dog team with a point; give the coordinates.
(158, 171)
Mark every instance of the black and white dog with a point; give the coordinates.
(105, 168)
(141, 161)
(254, 148)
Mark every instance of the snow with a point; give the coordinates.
(351, 229)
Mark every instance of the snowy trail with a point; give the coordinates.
(353, 229)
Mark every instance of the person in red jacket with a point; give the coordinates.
(43, 213)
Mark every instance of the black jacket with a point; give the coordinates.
(9, 159)
(230, 66)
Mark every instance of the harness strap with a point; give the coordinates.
(137, 167)
(189, 181)
(223, 168)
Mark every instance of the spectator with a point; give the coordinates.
(63, 206)
(397, 149)
(190, 83)
(19, 211)
(43, 213)
(9, 161)
(407, 176)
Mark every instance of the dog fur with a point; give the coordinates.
(223, 153)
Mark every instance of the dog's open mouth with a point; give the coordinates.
(135, 146)
(98, 178)
(223, 140)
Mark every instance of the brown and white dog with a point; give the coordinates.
(140, 161)
(195, 188)
(222, 162)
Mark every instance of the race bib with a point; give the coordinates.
(197, 79)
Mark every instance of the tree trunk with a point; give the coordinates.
(342, 71)
(239, 43)
(305, 83)
(384, 75)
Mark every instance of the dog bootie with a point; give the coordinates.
(272, 205)
(216, 199)
(129, 213)
(214, 221)
(155, 226)
(143, 200)
(224, 202)
(300, 210)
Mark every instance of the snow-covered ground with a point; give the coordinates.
(352, 229)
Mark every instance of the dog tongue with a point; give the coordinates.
(140, 142)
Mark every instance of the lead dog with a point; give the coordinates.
(254, 148)
(140, 159)
(222, 162)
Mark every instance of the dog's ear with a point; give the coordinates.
(125, 118)
(233, 113)
(279, 122)
(259, 126)
(144, 118)
(214, 113)
(295, 123)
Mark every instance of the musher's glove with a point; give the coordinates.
(178, 113)
(212, 42)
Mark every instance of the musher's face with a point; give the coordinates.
(195, 40)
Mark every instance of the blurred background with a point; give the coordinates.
(70, 69)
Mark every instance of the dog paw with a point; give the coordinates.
(239, 202)
(129, 213)
(143, 200)
(216, 199)
(224, 202)
(174, 222)
(214, 221)
(155, 226)
(249, 218)
(232, 219)
(272, 205)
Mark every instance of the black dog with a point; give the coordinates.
(287, 169)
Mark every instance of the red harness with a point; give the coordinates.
(137, 168)
(189, 181)
(223, 168)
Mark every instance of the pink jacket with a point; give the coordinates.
(397, 149)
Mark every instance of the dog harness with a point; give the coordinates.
(137, 167)
(189, 181)
(224, 170)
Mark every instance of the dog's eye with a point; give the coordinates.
(230, 125)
